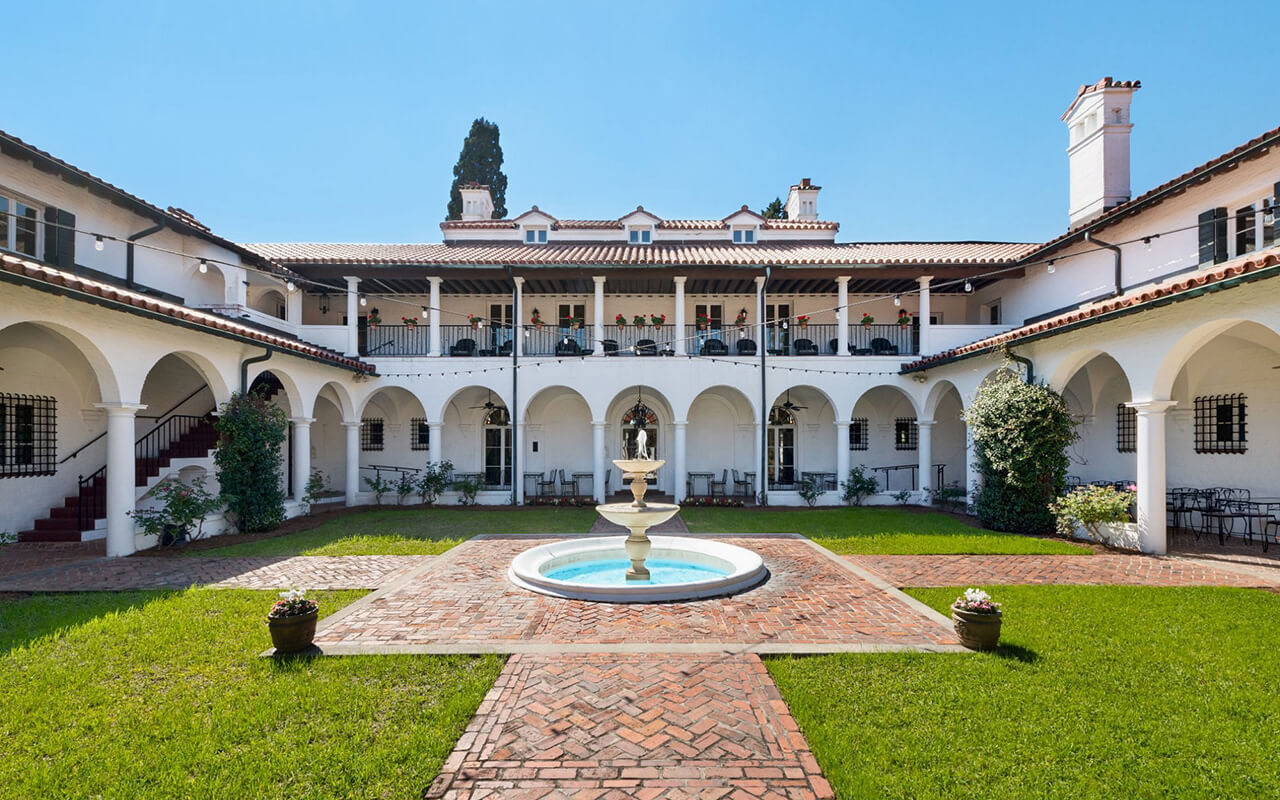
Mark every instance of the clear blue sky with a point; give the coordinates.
(341, 121)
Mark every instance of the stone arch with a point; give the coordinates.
(107, 382)
(399, 393)
(936, 394)
(292, 394)
(1192, 342)
(721, 432)
(890, 387)
(338, 394)
(204, 367)
(546, 393)
(270, 301)
(472, 394)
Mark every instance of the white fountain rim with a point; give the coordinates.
(747, 570)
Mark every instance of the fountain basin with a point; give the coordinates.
(682, 568)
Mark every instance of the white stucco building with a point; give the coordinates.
(767, 352)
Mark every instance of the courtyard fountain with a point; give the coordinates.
(637, 569)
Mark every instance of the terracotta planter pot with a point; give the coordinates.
(293, 634)
(976, 631)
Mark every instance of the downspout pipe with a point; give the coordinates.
(764, 400)
(1026, 362)
(244, 368)
(128, 249)
(1115, 251)
(516, 443)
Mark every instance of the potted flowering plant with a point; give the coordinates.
(639, 320)
(803, 321)
(575, 322)
(475, 321)
(904, 318)
(536, 319)
(374, 319)
(702, 321)
(867, 321)
(658, 320)
(620, 321)
(410, 322)
(1101, 513)
(292, 621)
(977, 619)
(181, 506)
(741, 319)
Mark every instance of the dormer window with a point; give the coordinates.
(642, 235)
(535, 235)
(744, 235)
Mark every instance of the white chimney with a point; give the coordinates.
(1098, 151)
(802, 201)
(477, 202)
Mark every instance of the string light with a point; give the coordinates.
(424, 312)
(968, 287)
(98, 244)
(364, 301)
(897, 299)
(204, 266)
(1049, 267)
(291, 286)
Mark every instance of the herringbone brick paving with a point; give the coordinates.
(659, 726)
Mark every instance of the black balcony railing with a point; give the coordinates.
(397, 340)
(555, 340)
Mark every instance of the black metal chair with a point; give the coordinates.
(804, 347)
(464, 347)
(714, 347)
(834, 344)
(646, 347)
(746, 347)
(568, 347)
(719, 484)
(506, 348)
(609, 347)
(883, 347)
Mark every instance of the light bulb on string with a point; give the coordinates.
(98, 244)
(1049, 267)
(968, 287)
(204, 266)
(897, 299)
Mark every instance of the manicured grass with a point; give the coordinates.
(395, 531)
(1096, 692)
(160, 695)
(873, 529)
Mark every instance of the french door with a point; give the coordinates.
(781, 448)
(779, 337)
(501, 323)
(497, 448)
(567, 314)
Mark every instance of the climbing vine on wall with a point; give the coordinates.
(1021, 433)
(251, 431)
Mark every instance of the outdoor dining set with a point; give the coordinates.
(730, 483)
(1226, 512)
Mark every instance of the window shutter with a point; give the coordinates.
(1219, 235)
(59, 237)
(1206, 236)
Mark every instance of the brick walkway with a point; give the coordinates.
(245, 572)
(1100, 568)
(596, 727)
(462, 602)
(21, 557)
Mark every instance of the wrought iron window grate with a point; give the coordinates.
(1220, 424)
(858, 439)
(421, 434)
(371, 430)
(28, 435)
(1126, 429)
(906, 434)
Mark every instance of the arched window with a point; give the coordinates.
(637, 418)
(497, 447)
(782, 447)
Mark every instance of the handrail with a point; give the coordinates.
(915, 468)
(162, 416)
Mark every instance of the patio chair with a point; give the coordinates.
(1272, 529)
(724, 477)
(714, 347)
(568, 347)
(741, 485)
(804, 347)
(464, 347)
(609, 347)
(883, 347)
(834, 344)
(547, 488)
(646, 347)
(506, 348)
(566, 486)
(746, 347)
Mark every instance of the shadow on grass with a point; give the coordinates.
(27, 619)
(1014, 652)
(290, 661)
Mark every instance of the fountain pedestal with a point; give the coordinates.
(638, 516)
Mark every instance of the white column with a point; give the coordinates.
(434, 306)
(597, 317)
(353, 316)
(517, 329)
(972, 481)
(842, 321)
(679, 315)
(926, 345)
(1151, 474)
(293, 306)
(121, 487)
(237, 286)
(519, 435)
(842, 451)
(352, 482)
(301, 455)
(757, 431)
(435, 442)
(682, 474)
(598, 466)
(925, 452)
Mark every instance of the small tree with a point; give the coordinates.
(378, 486)
(251, 431)
(316, 486)
(404, 487)
(480, 162)
(433, 480)
(810, 490)
(775, 210)
(858, 486)
(1021, 432)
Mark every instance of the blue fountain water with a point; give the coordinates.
(613, 572)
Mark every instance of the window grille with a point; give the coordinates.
(28, 435)
(906, 435)
(1220, 424)
(1126, 429)
(371, 429)
(421, 434)
(858, 439)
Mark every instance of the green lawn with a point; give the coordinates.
(873, 529)
(153, 694)
(1096, 692)
(394, 531)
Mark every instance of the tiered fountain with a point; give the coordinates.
(637, 569)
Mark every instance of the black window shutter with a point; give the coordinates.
(50, 235)
(1219, 235)
(66, 239)
(1206, 237)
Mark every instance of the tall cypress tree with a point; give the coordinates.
(480, 162)
(775, 210)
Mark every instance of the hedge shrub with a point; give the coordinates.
(251, 431)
